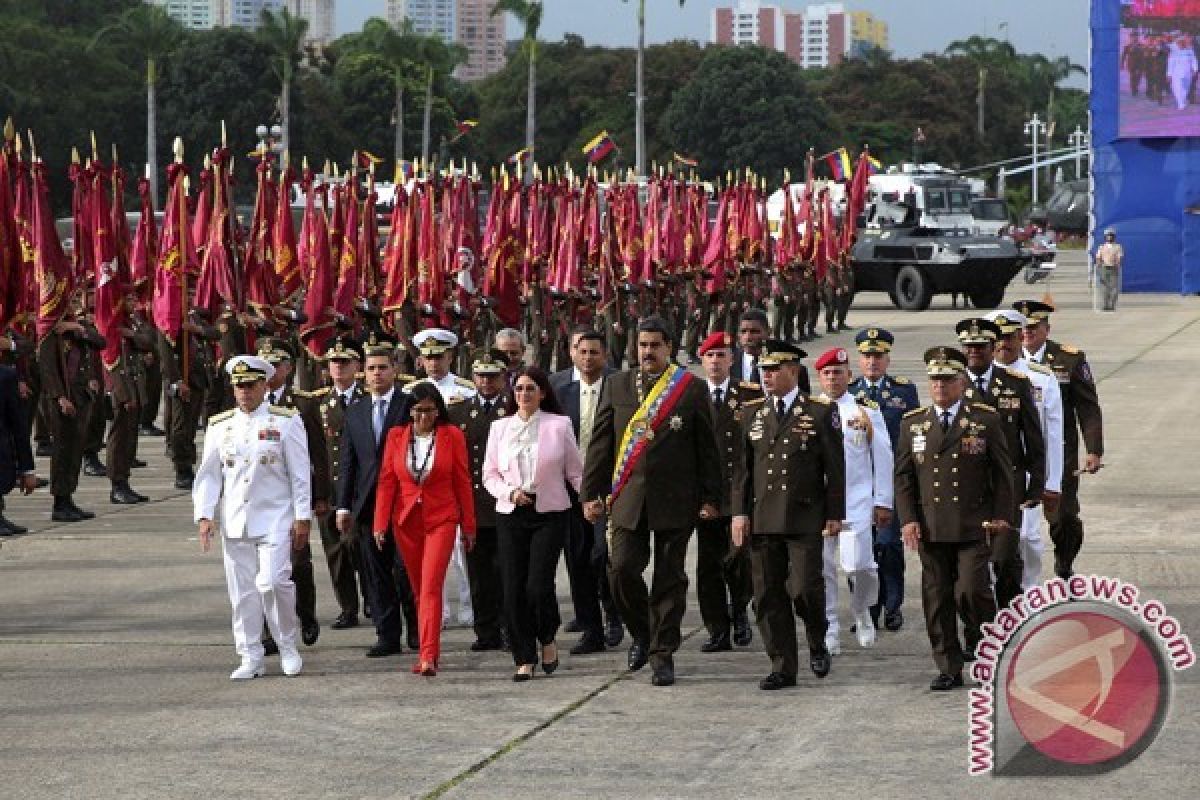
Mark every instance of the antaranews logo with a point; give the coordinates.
(1075, 679)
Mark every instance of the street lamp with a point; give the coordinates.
(1079, 140)
(917, 140)
(1034, 129)
(269, 139)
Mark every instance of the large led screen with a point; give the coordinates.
(1159, 64)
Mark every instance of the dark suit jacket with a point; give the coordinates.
(468, 415)
(16, 456)
(790, 475)
(735, 373)
(679, 470)
(1081, 405)
(358, 472)
(566, 388)
(1011, 395)
(953, 482)
(728, 423)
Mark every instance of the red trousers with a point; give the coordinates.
(426, 553)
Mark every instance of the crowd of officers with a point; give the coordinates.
(783, 484)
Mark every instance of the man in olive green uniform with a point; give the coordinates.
(63, 356)
(789, 492)
(1010, 394)
(186, 366)
(474, 417)
(668, 477)
(276, 352)
(127, 378)
(954, 489)
(1081, 416)
(723, 583)
(94, 411)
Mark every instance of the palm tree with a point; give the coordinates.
(438, 56)
(397, 47)
(985, 53)
(639, 122)
(148, 31)
(283, 34)
(529, 12)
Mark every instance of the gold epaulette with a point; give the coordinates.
(224, 415)
(1069, 348)
(322, 392)
(412, 381)
(1016, 373)
(454, 400)
(1042, 368)
(754, 401)
(282, 411)
(816, 398)
(866, 402)
(900, 381)
(915, 411)
(464, 383)
(750, 385)
(984, 407)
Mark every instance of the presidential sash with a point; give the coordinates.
(646, 421)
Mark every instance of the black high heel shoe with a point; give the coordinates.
(548, 667)
(521, 677)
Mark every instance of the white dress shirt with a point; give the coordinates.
(589, 401)
(524, 449)
(868, 452)
(421, 454)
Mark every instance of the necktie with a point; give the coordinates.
(342, 399)
(717, 396)
(781, 408)
(380, 413)
(753, 376)
(487, 407)
(586, 412)
(945, 421)
(982, 384)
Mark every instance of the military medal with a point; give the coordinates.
(676, 423)
(474, 413)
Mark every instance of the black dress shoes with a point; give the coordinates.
(717, 644)
(65, 515)
(122, 495)
(521, 677)
(151, 430)
(819, 661)
(345, 620)
(743, 634)
(483, 645)
(184, 479)
(944, 682)
(5, 530)
(44, 450)
(42, 483)
(777, 680)
(11, 527)
(664, 675)
(310, 632)
(588, 643)
(269, 647)
(413, 640)
(893, 620)
(382, 648)
(93, 467)
(614, 631)
(138, 463)
(638, 656)
(79, 511)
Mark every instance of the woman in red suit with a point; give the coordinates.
(423, 497)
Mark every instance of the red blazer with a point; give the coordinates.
(445, 496)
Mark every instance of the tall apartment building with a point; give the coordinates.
(205, 14)
(468, 22)
(818, 36)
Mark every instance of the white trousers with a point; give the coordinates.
(1180, 85)
(258, 574)
(1032, 547)
(458, 563)
(854, 552)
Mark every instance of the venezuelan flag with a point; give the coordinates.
(599, 147)
(520, 155)
(838, 162)
(874, 164)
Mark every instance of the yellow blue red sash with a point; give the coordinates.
(646, 421)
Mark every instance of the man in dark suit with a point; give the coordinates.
(1011, 394)
(789, 493)
(16, 456)
(474, 417)
(363, 436)
(752, 332)
(578, 392)
(666, 477)
(948, 513)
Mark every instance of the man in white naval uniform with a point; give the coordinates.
(869, 501)
(256, 468)
(1048, 397)
(436, 346)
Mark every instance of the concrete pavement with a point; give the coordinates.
(115, 648)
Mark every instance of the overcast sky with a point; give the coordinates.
(1051, 27)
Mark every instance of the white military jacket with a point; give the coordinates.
(869, 462)
(1048, 396)
(451, 386)
(256, 466)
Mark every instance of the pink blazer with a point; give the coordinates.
(558, 463)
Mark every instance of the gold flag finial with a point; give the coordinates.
(207, 161)
(10, 130)
(18, 145)
(95, 149)
(114, 153)
(177, 149)
(75, 155)
(224, 135)
(787, 176)
(304, 163)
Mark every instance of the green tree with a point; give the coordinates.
(150, 33)
(396, 47)
(747, 107)
(437, 57)
(984, 53)
(639, 123)
(283, 35)
(529, 13)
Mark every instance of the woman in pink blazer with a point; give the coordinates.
(531, 457)
(423, 498)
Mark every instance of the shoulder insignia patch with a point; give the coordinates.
(282, 411)
(915, 411)
(1069, 348)
(224, 415)
(818, 399)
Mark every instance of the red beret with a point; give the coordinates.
(835, 357)
(716, 340)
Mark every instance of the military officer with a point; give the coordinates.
(954, 489)
(280, 393)
(345, 359)
(1048, 398)
(723, 583)
(1081, 416)
(788, 496)
(1011, 395)
(895, 396)
(127, 377)
(256, 466)
(868, 456)
(186, 364)
(474, 417)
